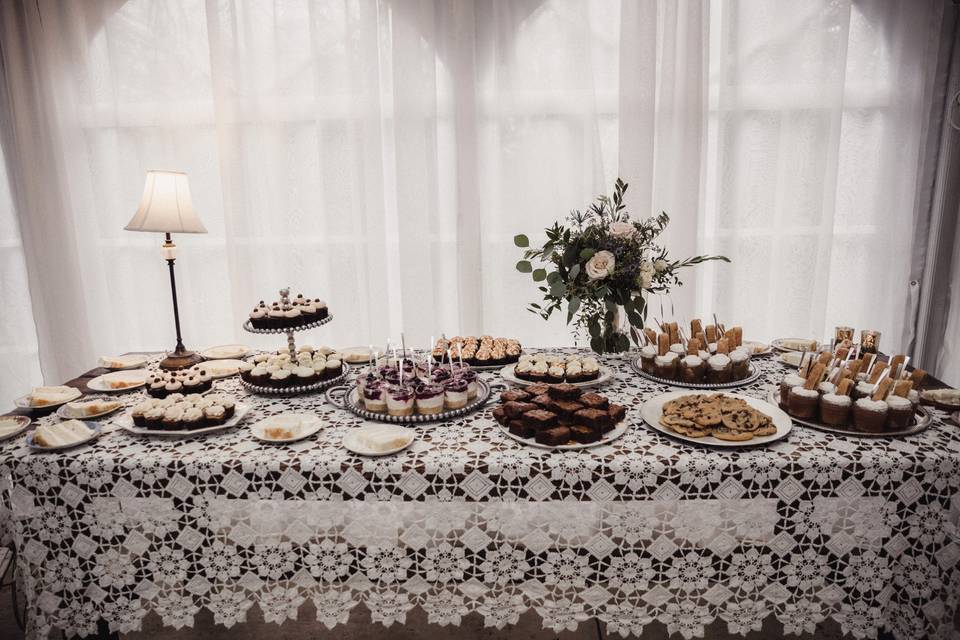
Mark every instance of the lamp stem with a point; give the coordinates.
(168, 244)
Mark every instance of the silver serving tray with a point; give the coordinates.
(304, 327)
(736, 384)
(291, 391)
(920, 425)
(345, 397)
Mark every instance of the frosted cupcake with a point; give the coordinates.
(870, 415)
(835, 409)
(692, 369)
(719, 369)
(740, 358)
(899, 412)
(665, 366)
(470, 377)
(647, 355)
(802, 402)
(789, 381)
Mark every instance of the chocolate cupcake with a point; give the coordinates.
(719, 369)
(193, 418)
(789, 381)
(870, 415)
(835, 409)
(665, 366)
(214, 415)
(899, 413)
(803, 403)
(153, 418)
(171, 418)
(692, 369)
(741, 363)
(647, 355)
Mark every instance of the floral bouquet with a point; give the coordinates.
(602, 264)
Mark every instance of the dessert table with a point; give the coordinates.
(863, 531)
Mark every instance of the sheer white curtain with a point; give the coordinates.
(382, 155)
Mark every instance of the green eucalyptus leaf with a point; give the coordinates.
(558, 289)
(572, 308)
(524, 266)
(596, 343)
(521, 241)
(552, 277)
(587, 253)
(574, 271)
(539, 275)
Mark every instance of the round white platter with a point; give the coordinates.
(507, 373)
(64, 414)
(101, 384)
(607, 438)
(309, 425)
(121, 363)
(22, 424)
(95, 431)
(23, 402)
(125, 422)
(226, 352)
(652, 411)
(350, 443)
(790, 358)
(783, 344)
(757, 349)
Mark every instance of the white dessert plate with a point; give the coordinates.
(757, 348)
(607, 438)
(65, 413)
(12, 426)
(220, 368)
(943, 399)
(352, 441)
(134, 379)
(125, 422)
(793, 344)
(357, 355)
(302, 425)
(226, 352)
(508, 374)
(95, 431)
(120, 363)
(791, 358)
(652, 411)
(23, 402)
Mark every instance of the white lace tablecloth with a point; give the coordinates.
(863, 531)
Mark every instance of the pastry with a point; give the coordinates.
(899, 412)
(380, 438)
(553, 368)
(478, 351)
(553, 436)
(803, 402)
(61, 434)
(835, 409)
(647, 355)
(287, 314)
(455, 393)
(87, 408)
(430, 398)
(870, 415)
(375, 397)
(47, 396)
(692, 369)
(561, 414)
(278, 370)
(161, 383)
(719, 369)
(400, 400)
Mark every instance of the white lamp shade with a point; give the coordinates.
(166, 205)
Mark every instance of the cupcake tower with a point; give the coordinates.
(711, 355)
(287, 316)
(403, 387)
(871, 395)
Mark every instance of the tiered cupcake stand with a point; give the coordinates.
(292, 347)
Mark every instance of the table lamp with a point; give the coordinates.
(166, 208)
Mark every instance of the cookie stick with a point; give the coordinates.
(711, 332)
(878, 370)
(693, 346)
(882, 389)
(845, 387)
(917, 377)
(695, 327)
(902, 388)
(814, 378)
(663, 344)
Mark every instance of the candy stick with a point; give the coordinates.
(880, 392)
(369, 356)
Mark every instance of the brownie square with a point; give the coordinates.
(584, 435)
(593, 418)
(563, 391)
(514, 409)
(514, 395)
(537, 389)
(539, 419)
(543, 401)
(500, 415)
(554, 436)
(517, 428)
(617, 413)
(564, 407)
(591, 401)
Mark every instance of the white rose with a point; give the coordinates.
(600, 265)
(622, 229)
(660, 266)
(646, 274)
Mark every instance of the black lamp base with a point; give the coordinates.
(180, 359)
